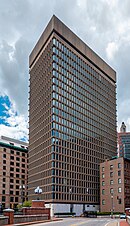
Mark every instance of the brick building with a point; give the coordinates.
(13, 172)
(72, 119)
(115, 185)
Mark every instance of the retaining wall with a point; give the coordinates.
(29, 218)
(3, 220)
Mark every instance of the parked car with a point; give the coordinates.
(123, 216)
(90, 214)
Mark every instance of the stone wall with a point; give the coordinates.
(29, 218)
(3, 220)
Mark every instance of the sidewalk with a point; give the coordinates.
(35, 222)
(124, 223)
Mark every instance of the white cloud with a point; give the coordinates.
(111, 50)
(128, 124)
(104, 25)
(15, 126)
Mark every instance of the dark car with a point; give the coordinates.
(90, 214)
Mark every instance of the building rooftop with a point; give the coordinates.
(13, 144)
(58, 27)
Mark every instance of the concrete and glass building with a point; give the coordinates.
(72, 120)
(115, 185)
(124, 142)
(13, 172)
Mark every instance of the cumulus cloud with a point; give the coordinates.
(104, 25)
(15, 125)
(111, 49)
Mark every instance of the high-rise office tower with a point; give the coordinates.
(124, 142)
(72, 119)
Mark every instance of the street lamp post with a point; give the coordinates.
(71, 204)
(112, 206)
(87, 190)
(22, 187)
(38, 190)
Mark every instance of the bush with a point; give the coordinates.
(106, 213)
(25, 204)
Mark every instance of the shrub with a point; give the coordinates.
(25, 204)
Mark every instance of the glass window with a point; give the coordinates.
(11, 199)
(17, 164)
(111, 174)
(111, 181)
(4, 161)
(103, 191)
(119, 181)
(103, 202)
(4, 155)
(119, 165)
(4, 167)
(119, 173)
(111, 167)
(103, 169)
(103, 175)
(119, 201)
(111, 190)
(119, 190)
(11, 180)
(16, 199)
(17, 192)
(103, 183)
(3, 198)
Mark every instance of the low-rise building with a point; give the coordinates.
(115, 185)
(13, 172)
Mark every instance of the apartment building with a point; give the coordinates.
(115, 185)
(72, 120)
(13, 172)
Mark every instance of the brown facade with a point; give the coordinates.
(72, 117)
(13, 172)
(114, 185)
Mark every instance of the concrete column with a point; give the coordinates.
(10, 214)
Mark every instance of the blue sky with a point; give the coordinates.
(103, 25)
(4, 104)
(11, 123)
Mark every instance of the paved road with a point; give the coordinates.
(82, 222)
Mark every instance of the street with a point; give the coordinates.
(82, 222)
